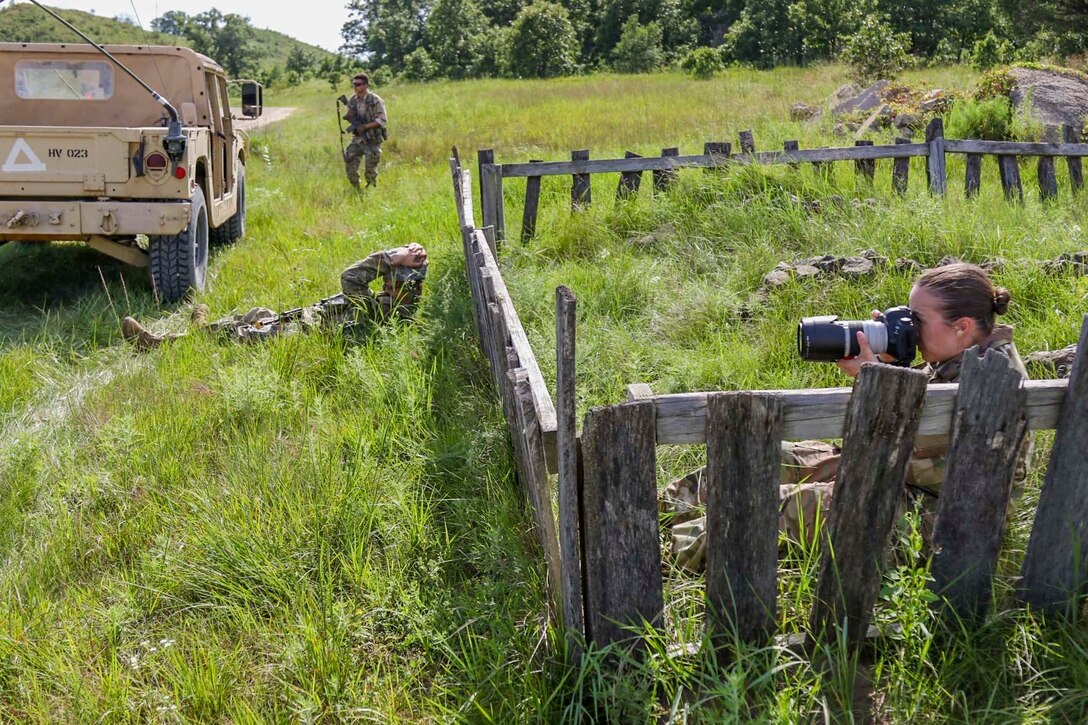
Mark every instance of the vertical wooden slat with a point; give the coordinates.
(747, 142)
(1076, 176)
(988, 426)
(791, 146)
(489, 236)
(973, 176)
(639, 391)
(744, 439)
(630, 181)
(881, 421)
(533, 473)
(622, 548)
(570, 512)
(1055, 567)
(936, 169)
(720, 150)
(865, 167)
(1010, 177)
(532, 205)
(483, 158)
(488, 205)
(1048, 180)
(580, 190)
(664, 178)
(901, 170)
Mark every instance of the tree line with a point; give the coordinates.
(423, 39)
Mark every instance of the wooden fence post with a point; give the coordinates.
(881, 421)
(664, 178)
(570, 490)
(744, 440)
(494, 212)
(865, 167)
(1056, 564)
(630, 181)
(972, 176)
(935, 168)
(720, 151)
(532, 204)
(1010, 177)
(900, 170)
(988, 426)
(1048, 180)
(788, 146)
(581, 193)
(747, 142)
(1076, 177)
(622, 548)
(483, 158)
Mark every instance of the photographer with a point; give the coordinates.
(953, 308)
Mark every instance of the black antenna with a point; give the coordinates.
(174, 142)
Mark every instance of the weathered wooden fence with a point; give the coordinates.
(864, 154)
(527, 405)
(604, 552)
(986, 416)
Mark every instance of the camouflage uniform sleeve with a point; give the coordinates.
(355, 280)
(377, 110)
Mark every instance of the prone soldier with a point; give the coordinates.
(356, 308)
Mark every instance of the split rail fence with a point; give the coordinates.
(864, 154)
(604, 555)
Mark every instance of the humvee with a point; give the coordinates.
(88, 153)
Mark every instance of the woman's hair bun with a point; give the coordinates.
(1002, 298)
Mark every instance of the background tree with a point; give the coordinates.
(542, 42)
(384, 32)
(639, 47)
(173, 22)
(300, 62)
(455, 37)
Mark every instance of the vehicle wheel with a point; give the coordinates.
(179, 262)
(234, 228)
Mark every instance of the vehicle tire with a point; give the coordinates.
(179, 262)
(234, 228)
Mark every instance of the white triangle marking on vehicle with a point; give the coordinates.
(32, 163)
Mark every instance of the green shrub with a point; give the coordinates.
(996, 82)
(639, 47)
(703, 62)
(990, 51)
(419, 66)
(542, 42)
(988, 119)
(876, 51)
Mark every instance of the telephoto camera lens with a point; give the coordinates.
(827, 338)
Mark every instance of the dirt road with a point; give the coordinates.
(269, 116)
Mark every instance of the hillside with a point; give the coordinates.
(25, 23)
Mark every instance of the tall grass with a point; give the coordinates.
(319, 529)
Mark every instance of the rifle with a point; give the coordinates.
(340, 122)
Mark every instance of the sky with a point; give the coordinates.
(316, 22)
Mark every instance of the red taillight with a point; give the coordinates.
(179, 172)
(156, 161)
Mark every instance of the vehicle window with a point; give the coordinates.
(64, 80)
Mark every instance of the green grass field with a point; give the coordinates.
(318, 530)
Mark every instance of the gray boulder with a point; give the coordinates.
(865, 100)
(1056, 98)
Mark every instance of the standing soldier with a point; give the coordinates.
(366, 119)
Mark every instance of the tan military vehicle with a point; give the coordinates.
(92, 154)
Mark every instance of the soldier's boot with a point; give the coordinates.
(140, 336)
(371, 183)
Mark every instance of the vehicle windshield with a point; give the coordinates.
(64, 80)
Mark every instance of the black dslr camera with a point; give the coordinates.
(827, 339)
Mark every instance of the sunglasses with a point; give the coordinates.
(358, 83)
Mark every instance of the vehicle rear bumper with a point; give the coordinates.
(29, 220)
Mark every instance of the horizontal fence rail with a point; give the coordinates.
(821, 412)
